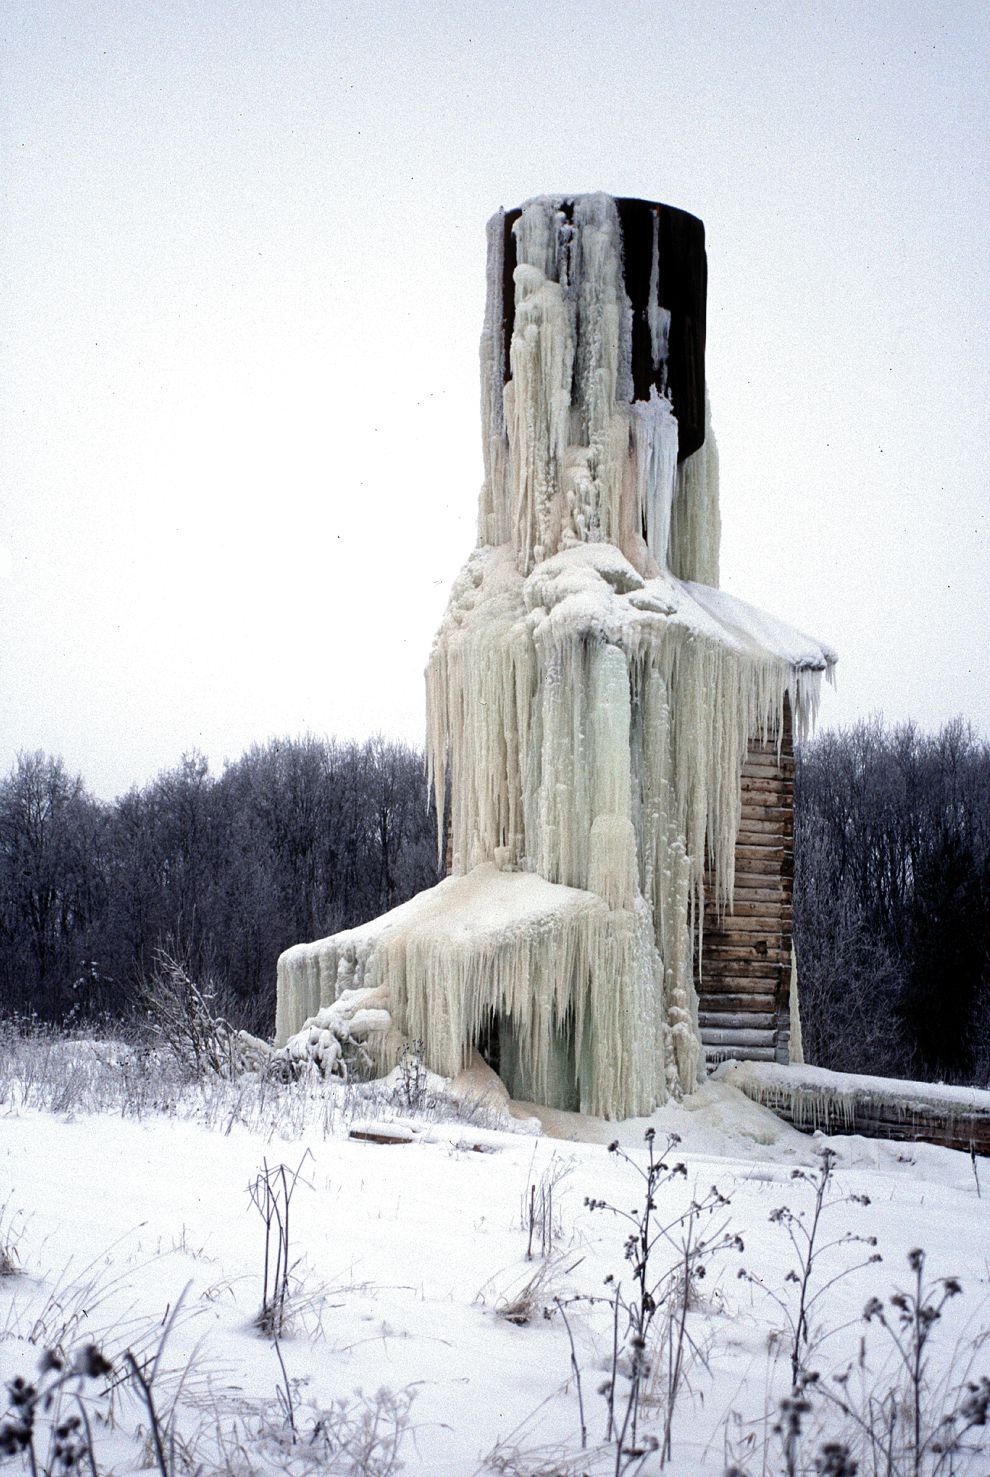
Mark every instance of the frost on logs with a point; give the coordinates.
(590, 693)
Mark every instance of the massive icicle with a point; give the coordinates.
(590, 696)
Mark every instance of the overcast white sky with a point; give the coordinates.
(242, 258)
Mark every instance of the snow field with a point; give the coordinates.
(407, 1252)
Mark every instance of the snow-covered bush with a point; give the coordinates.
(341, 1039)
(184, 1017)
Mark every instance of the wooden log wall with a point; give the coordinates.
(745, 967)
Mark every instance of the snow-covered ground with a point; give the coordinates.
(121, 1203)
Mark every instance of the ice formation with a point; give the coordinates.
(590, 696)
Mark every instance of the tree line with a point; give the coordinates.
(300, 838)
(892, 901)
(297, 839)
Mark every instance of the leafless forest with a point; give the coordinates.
(302, 837)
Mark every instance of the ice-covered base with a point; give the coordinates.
(570, 983)
(593, 724)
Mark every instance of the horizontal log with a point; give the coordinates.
(741, 1053)
(745, 962)
(763, 867)
(719, 957)
(766, 1002)
(727, 1020)
(753, 839)
(746, 904)
(771, 948)
(770, 922)
(903, 1118)
(738, 976)
(753, 889)
(767, 769)
(746, 907)
(722, 943)
(762, 833)
(745, 932)
(713, 1036)
(765, 796)
(763, 882)
(779, 909)
(761, 825)
(770, 784)
(759, 986)
(754, 866)
(755, 810)
(761, 943)
(717, 950)
(760, 1004)
(770, 743)
(757, 953)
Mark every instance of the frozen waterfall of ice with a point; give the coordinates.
(590, 696)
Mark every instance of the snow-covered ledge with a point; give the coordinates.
(812, 1098)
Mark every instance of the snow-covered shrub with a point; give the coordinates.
(805, 1231)
(652, 1315)
(541, 1218)
(183, 1016)
(910, 1414)
(341, 1039)
(271, 1194)
(11, 1232)
(412, 1075)
(356, 1434)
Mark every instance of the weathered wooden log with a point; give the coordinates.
(763, 784)
(755, 908)
(722, 1036)
(737, 1020)
(736, 1004)
(749, 893)
(738, 925)
(749, 958)
(716, 1054)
